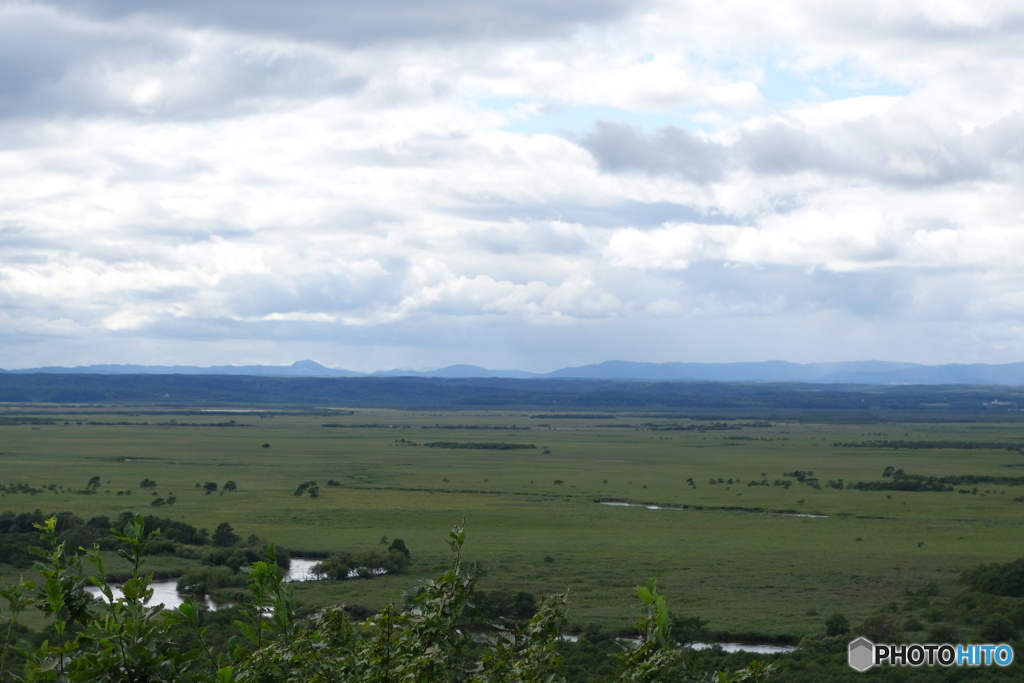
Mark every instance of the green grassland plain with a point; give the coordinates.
(735, 554)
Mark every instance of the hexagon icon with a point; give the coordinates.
(862, 654)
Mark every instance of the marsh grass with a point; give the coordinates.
(743, 571)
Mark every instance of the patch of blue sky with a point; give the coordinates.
(783, 88)
(571, 120)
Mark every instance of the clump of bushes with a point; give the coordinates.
(365, 564)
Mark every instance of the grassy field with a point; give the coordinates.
(735, 553)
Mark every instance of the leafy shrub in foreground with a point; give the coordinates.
(424, 641)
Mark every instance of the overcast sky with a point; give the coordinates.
(513, 184)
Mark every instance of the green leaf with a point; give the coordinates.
(187, 608)
(54, 594)
(246, 630)
(132, 589)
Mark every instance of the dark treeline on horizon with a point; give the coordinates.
(706, 398)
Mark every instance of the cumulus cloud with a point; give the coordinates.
(394, 184)
(72, 65)
(900, 146)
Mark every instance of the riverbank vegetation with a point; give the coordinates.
(436, 636)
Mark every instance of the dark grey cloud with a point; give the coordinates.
(56, 65)
(885, 149)
(670, 150)
(781, 148)
(888, 150)
(359, 23)
(39, 52)
(36, 51)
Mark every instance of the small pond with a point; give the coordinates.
(166, 592)
(747, 647)
(758, 648)
(708, 509)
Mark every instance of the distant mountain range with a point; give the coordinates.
(854, 372)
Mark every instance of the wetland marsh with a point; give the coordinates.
(528, 485)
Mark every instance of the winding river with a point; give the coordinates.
(617, 503)
(166, 592)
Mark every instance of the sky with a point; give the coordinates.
(530, 185)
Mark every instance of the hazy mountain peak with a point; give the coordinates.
(308, 365)
(850, 372)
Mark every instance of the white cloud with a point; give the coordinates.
(671, 247)
(190, 180)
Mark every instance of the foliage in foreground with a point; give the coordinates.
(125, 638)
